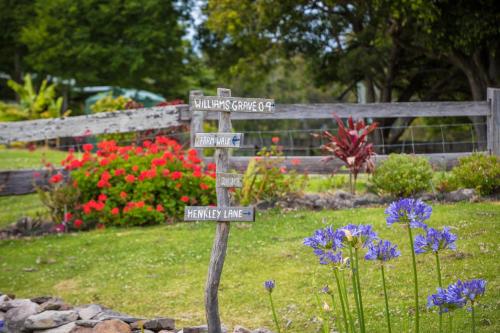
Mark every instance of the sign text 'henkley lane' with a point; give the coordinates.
(221, 214)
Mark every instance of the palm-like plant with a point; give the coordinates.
(352, 147)
(36, 105)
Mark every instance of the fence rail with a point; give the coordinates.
(22, 181)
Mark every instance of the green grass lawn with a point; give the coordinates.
(11, 159)
(161, 270)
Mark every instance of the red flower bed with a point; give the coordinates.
(137, 185)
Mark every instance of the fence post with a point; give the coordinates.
(196, 122)
(493, 121)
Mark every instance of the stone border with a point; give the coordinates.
(47, 314)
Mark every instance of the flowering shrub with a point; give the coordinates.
(266, 179)
(136, 185)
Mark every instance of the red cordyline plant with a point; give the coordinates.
(351, 146)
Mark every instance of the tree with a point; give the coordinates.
(13, 16)
(387, 45)
(124, 43)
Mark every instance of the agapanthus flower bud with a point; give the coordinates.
(269, 285)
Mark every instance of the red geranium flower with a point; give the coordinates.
(102, 197)
(184, 198)
(159, 208)
(78, 223)
(176, 175)
(68, 216)
(88, 147)
(130, 178)
(275, 139)
(135, 168)
(123, 195)
(115, 211)
(56, 178)
(204, 186)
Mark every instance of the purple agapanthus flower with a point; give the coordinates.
(382, 250)
(269, 285)
(327, 244)
(472, 289)
(445, 300)
(409, 210)
(457, 295)
(327, 238)
(358, 235)
(435, 240)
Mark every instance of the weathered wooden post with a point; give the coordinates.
(493, 121)
(223, 213)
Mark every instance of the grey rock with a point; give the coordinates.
(89, 312)
(104, 316)
(200, 329)
(54, 304)
(41, 299)
(367, 199)
(50, 319)
(158, 324)
(87, 323)
(15, 316)
(464, 194)
(241, 329)
(428, 197)
(262, 330)
(82, 329)
(67, 328)
(13, 303)
(112, 326)
(144, 331)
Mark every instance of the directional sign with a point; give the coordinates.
(219, 140)
(231, 104)
(223, 214)
(229, 179)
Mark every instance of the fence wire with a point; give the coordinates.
(440, 138)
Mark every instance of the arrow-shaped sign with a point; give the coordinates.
(231, 104)
(218, 140)
(222, 214)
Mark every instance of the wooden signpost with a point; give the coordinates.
(223, 213)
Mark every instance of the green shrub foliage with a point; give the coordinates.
(403, 175)
(480, 172)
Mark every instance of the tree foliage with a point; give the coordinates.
(123, 43)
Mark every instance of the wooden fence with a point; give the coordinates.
(23, 181)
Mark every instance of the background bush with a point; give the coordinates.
(403, 175)
(480, 172)
(266, 180)
(136, 185)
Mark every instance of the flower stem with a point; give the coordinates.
(355, 288)
(473, 318)
(339, 288)
(359, 291)
(440, 283)
(415, 280)
(450, 323)
(275, 318)
(386, 300)
(346, 298)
